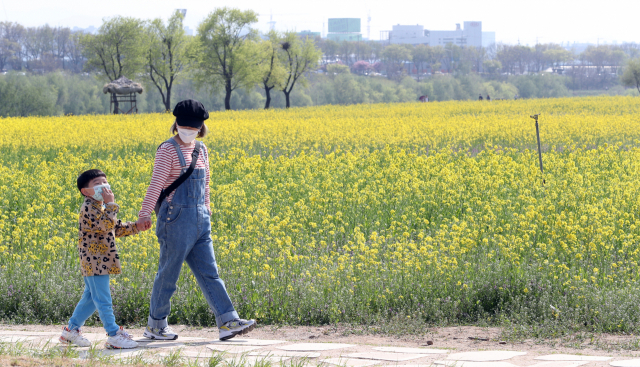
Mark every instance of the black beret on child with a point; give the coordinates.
(190, 113)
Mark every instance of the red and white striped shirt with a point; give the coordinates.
(167, 169)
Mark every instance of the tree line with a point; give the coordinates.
(228, 55)
(40, 49)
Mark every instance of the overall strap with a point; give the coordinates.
(183, 163)
(185, 173)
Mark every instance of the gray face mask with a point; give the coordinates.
(98, 191)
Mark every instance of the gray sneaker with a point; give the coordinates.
(165, 333)
(236, 327)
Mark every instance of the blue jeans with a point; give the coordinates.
(184, 233)
(97, 295)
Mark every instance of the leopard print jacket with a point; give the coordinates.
(99, 228)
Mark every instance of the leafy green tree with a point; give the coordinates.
(167, 55)
(394, 58)
(24, 95)
(421, 54)
(346, 49)
(329, 50)
(228, 51)
(435, 61)
(631, 75)
(337, 69)
(298, 57)
(556, 55)
(492, 67)
(117, 50)
(272, 70)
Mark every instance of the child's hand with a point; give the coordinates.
(143, 224)
(107, 195)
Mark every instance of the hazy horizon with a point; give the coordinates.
(548, 21)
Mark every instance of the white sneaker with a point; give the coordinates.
(74, 337)
(236, 327)
(165, 333)
(122, 340)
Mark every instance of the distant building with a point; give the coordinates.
(470, 35)
(488, 38)
(344, 29)
(309, 34)
(188, 31)
(338, 37)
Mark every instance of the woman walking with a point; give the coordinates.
(183, 225)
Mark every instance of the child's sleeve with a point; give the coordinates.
(125, 229)
(103, 220)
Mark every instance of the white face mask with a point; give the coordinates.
(97, 190)
(187, 136)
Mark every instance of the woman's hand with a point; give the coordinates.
(143, 224)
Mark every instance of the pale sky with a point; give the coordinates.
(514, 21)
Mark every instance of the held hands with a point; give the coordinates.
(107, 195)
(143, 224)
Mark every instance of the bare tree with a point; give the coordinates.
(75, 51)
(61, 37)
(10, 36)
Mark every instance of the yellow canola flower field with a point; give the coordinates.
(434, 211)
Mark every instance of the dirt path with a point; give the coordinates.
(454, 339)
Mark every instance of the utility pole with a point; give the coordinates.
(272, 24)
(535, 117)
(369, 26)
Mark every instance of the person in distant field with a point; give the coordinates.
(98, 227)
(488, 98)
(480, 98)
(424, 98)
(516, 97)
(183, 226)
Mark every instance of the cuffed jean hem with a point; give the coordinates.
(73, 327)
(157, 324)
(224, 318)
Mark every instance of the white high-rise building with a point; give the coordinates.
(470, 35)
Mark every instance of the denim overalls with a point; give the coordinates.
(184, 233)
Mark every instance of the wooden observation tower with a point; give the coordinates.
(123, 95)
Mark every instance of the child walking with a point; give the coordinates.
(99, 259)
(184, 226)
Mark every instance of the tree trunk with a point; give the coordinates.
(286, 97)
(167, 103)
(227, 96)
(267, 92)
